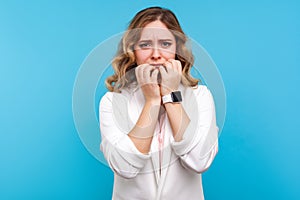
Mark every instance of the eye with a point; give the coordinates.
(166, 44)
(145, 45)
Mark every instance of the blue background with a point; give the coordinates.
(255, 45)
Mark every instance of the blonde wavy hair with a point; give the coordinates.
(125, 58)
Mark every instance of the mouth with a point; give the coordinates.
(156, 65)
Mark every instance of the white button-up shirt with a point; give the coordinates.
(172, 170)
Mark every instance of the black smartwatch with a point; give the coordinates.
(173, 97)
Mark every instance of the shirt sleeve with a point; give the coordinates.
(199, 145)
(118, 149)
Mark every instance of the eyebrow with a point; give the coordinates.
(160, 40)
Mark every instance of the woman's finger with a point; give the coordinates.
(168, 65)
(179, 66)
(146, 72)
(176, 65)
(154, 75)
(139, 71)
(163, 71)
(138, 74)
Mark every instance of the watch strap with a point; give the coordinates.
(167, 98)
(173, 97)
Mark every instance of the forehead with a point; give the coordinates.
(156, 29)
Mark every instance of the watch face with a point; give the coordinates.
(176, 96)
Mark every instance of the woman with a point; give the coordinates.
(157, 124)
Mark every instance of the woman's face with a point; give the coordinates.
(156, 45)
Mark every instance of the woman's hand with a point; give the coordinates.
(147, 79)
(170, 76)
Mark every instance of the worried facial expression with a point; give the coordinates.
(156, 45)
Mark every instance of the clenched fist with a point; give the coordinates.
(146, 75)
(171, 74)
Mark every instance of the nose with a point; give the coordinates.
(155, 53)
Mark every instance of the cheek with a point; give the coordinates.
(141, 56)
(168, 54)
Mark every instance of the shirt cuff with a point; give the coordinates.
(130, 153)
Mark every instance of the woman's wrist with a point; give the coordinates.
(166, 91)
(153, 101)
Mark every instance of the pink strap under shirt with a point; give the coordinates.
(160, 137)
